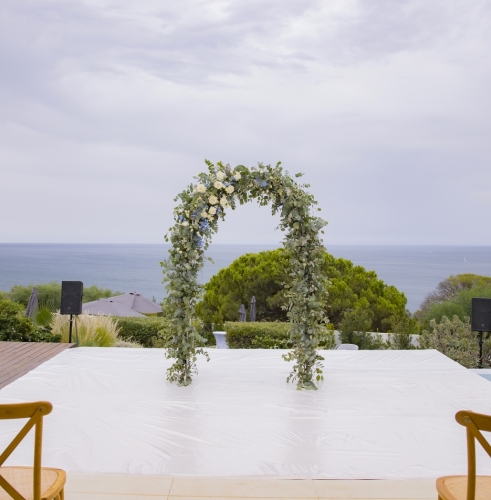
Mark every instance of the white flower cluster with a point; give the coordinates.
(214, 201)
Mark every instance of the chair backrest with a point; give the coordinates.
(347, 347)
(35, 413)
(475, 423)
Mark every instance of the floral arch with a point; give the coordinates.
(196, 217)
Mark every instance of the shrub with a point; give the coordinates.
(43, 317)
(40, 335)
(10, 309)
(401, 338)
(144, 331)
(262, 335)
(258, 335)
(453, 297)
(402, 341)
(125, 343)
(15, 327)
(49, 294)
(437, 310)
(449, 288)
(455, 339)
(88, 330)
(207, 332)
(354, 329)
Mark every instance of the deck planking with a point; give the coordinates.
(19, 358)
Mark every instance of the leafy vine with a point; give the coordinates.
(200, 207)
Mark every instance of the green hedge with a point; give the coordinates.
(15, 327)
(35, 335)
(258, 335)
(261, 335)
(141, 330)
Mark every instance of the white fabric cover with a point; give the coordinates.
(378, 414)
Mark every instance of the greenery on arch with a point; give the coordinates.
(200, 208)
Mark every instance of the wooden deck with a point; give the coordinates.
(18, 358)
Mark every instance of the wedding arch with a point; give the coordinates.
(200, 207)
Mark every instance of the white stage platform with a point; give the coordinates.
(377, 415)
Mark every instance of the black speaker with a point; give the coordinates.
(71, 297)
(481, 315)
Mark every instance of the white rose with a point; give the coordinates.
(212, 210)
(229, 189)
(213, 200)
(201, 188)
(203, 213)
(185, 223)
(220, 176)
(237, 176)
(224, 202)
(218, 185)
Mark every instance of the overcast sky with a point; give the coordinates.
(108, 109)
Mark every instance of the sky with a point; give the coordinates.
(109, 108)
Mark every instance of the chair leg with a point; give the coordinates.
(62, 494)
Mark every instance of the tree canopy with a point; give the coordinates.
(450, 287)
(49, 294)
(453, 297)
(351, 289)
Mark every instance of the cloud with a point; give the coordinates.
(384, 105)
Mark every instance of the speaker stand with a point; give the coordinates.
(480, 346)
(71, 325)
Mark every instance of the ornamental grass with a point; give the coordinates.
(88, 330)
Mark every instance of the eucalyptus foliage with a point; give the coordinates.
(200, 208)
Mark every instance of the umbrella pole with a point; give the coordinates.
(71, 325)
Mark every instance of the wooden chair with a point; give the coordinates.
(29, 483)
(470, 487)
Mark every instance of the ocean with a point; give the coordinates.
(414, 270)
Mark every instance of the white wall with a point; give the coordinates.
(385, 336)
